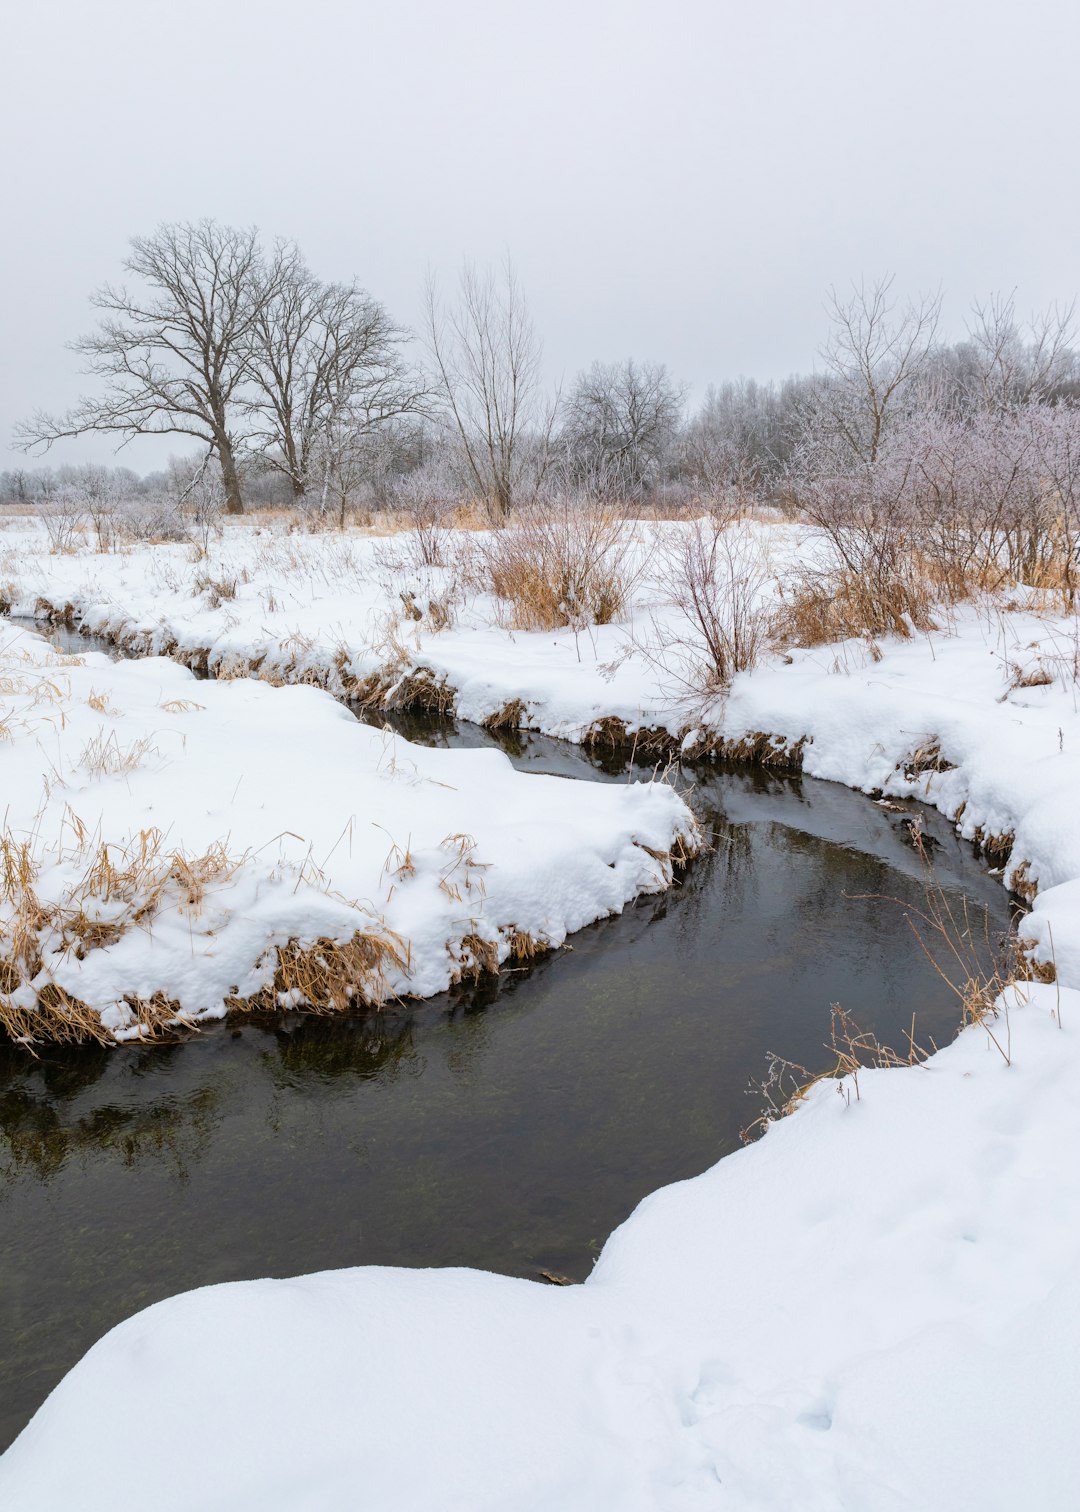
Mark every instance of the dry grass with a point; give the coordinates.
(331, 975)
(820, 608)
(563, 566)
(956, 940)
(926, 758)
(512, 716)
(124, 887)
(118, 888)
(476, 956)
(218, 590)
(418, 689)
(759, 748)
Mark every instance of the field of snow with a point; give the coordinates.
(875, 1307)
(947, 716)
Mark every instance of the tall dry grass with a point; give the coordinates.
(563, 563)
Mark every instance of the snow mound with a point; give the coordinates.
(178, 846)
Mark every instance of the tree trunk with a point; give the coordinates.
(234, 504)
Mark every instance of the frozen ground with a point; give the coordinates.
(875, 1307)
(331, 608)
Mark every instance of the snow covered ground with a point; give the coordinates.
(185, 844)
(875, 1307)
(945, 716)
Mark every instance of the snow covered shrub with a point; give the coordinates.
(868, 576)
(716, 575)
(993, 497)
(562, 563)
(63, 518)
(425, 499)
(152, 519)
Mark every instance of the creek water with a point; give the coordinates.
(509, 1125)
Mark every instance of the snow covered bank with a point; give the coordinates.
(979, 719)
(171, 848)
(876, 1307)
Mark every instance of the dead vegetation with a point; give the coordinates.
(977, 969)
(818, 608)
(418, 690)
(112, 889)
(926, 758)
(512, 716)
(116, 889)
(564, 565)
(332, 975)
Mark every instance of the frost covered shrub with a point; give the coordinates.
(426, 499)
(563, 563)
(63, 518)
(156, 518)
(716, 575)
(951, 504)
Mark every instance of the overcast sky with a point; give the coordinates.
(677, 181)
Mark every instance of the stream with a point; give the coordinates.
(509, 1125)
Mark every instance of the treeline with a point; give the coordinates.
(298, 390)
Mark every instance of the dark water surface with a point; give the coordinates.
(510, 1126)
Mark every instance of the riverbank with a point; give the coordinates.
(176, 849)
(979, 716)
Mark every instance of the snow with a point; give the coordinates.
(328, 606)
(325, 827)
(876, 1307)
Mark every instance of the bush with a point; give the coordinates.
(567, 564)
(716, 575)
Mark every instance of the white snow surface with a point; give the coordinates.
(874, 1308)
(330, 827)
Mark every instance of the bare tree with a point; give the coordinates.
(875, 353)
(628, 414)
(486, 360)
(1016, 365)
(175, 356)
(326, 360)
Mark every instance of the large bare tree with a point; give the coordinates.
(486, 375)
(628, 415)
(175, 353)
(327, 368)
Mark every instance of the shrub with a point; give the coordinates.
(565, 564)
(716, 575)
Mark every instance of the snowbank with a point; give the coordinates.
(182, 843)
(979, 719)
(875, 1307)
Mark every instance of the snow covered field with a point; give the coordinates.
(875, 1307)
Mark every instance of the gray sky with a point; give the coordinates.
(675, 181)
